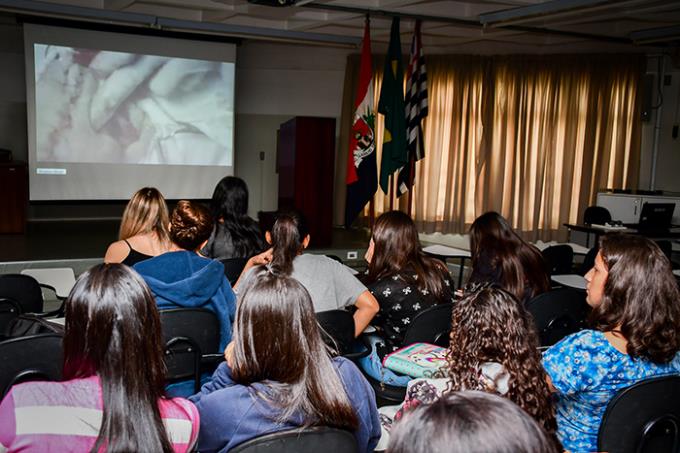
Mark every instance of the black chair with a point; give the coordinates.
(559, 259)
(9, 310)
(233, 268)
(589, 260)
(558, 313)
(430, 326)
(192, 339)
(36, 357)
(643, 418)
(23, 289)
(337, 331)
(307, 440)
(596, 215)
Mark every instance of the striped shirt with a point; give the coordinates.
(66, 416)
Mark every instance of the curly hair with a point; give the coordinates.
(490, 325)
(190, 225)
(641, 297)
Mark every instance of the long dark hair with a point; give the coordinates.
(287, 235)
(469, 421)
(396, 246)
(113, 330)
(519, 266)
(277, 342)
(490, 325)
(229, 206)
(641, 297)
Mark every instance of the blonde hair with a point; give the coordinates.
(146, 212)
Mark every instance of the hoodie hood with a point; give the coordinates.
(182, 278)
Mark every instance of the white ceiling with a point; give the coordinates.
(449, 26)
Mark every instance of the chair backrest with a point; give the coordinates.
(559, 258)
(431, 326)
(189, 333)
(337, 329)
(24, 289)
(596, 214)
(558, 313)
(589, 260)
(307, 440)
(643, 418)
(59, 279)
(9, 310)
(233, 268)
(30, 358)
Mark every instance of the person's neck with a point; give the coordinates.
(617, 340)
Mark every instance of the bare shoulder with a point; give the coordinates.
(116, 252)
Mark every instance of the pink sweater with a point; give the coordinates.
(66, 416)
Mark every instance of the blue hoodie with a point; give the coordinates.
(186, 280)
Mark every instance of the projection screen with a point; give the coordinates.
(110, 113)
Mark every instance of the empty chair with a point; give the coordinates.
(23, 289)
(192, 338)
(596, 215)
(58, 279)
(233, 268)
(36, 357)
(559, 258)
(308, 440)
(9, 310)
(589, 260)
(643, 418)
(558, 313)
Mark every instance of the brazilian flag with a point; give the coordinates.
(391, 105)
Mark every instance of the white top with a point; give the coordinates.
(570, 280)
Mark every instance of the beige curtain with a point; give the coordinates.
(533, 137)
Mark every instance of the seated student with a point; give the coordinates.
(234, 235)
(331, 284)
(494, 348)
(112, 398)
(404, 281)
(278, 374)
(636, 317)
(470, 421)
(182, 278)
(143, 230)
(500, 256)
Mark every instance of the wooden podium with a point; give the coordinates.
(14, 196)
(305, 162)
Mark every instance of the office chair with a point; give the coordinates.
(558, 313)
(308, 440)
(35, 357)
(559, 259)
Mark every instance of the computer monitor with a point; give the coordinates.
(656, 216)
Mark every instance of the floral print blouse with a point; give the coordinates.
(587, 372)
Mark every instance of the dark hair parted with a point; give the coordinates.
(469, 421)
(113, 330)
(499, 254)
(490, 325)
(641, 297)
(229, 206)
(190, 225)
(277, 343)
(287, 235)
(396, 246)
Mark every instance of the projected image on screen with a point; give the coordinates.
(115, 107)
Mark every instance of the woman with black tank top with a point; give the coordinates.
(143, 230)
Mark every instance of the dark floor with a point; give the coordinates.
(74, 239)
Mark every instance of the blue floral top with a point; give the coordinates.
(587, 372)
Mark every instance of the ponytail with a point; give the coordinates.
(287, 235)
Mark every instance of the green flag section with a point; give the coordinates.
(391, 105)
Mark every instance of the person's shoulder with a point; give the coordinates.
(83, 392)
(347, 370)
(116, 252)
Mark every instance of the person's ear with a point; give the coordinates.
(305, 242)
(268, 237)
